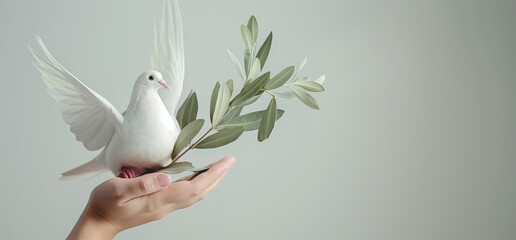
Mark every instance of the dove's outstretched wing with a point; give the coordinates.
(91, 117)
(168, 54)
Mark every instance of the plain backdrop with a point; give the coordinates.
(415, 138)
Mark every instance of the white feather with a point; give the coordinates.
(89, 115)
(168, 54)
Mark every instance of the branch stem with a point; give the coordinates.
(192, 146)
(270, 93)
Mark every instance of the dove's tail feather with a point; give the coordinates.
(95, 165)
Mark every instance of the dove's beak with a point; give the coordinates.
(164, 84)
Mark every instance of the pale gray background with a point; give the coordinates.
(415, 138)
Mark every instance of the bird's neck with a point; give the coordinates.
(139, 92)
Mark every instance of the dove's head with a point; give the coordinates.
(152, 79)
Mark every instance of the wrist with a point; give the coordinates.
(92, 226)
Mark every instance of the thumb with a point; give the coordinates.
(146, 184)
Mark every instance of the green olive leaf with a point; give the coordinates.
(280, 79)
(230, 86)
(252, 24)
(237, 64)
(305, 98)
(310, 86)
(188, 110)
(213, 100)
(251, 89)
(254, 71)
(221, 138)
(285, 93)
(247, 57)
(250, 121)
(263, 53)
(200, 169)
(249, 101)
(221, 104)
(229, 117)
(186, 135)
(247, 37)
(267, 122)
(177, 167)
(320, 79)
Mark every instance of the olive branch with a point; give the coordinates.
(227, 120)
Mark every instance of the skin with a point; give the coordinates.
(119, 204)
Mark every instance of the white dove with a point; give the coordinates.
(142, 137)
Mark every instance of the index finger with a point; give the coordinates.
(183, 190)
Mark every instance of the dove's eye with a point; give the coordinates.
(151, 78)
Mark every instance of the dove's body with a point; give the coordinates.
(146, 137)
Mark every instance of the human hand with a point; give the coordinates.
(119, 204)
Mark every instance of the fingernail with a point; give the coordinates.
(163, 180)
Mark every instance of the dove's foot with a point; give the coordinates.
(130, 172)
(127, 172)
